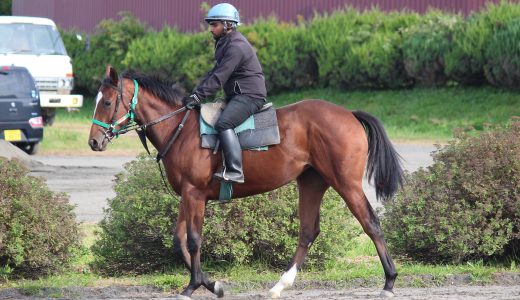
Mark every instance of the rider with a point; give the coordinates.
(239, 73)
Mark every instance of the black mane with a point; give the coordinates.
(163, 89)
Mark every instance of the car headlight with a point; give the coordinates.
(66, 83)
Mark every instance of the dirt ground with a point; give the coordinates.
(139, 292)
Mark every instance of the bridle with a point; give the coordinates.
(111, 130)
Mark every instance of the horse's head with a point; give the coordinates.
(112, 110)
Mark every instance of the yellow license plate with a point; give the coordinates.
(13, 135)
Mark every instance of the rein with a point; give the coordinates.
(112, 132)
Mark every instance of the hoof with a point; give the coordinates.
(386, 294)
(218, 289)
(274, 294)
(181, 297)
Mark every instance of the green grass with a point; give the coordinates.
(70, 131)
(423, 113)
(420, 114)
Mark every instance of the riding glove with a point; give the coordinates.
(191, 101)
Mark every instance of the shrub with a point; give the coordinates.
(426, 44)
(378, 61)
(356, 50)
(327, 39)
(280, 49)
(183, 58)
(137, 230)
(464, 61)
(38, 232)
(503, 56)
(467, 57)
(107, 46)
(463, 207)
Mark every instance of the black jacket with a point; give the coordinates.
(237, 70)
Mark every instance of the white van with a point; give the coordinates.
(35, 43)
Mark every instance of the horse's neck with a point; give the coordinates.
(160, 133)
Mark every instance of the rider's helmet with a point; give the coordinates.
(223, 12)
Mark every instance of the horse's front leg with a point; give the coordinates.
(192, 210)
(181, 240)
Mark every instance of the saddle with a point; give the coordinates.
(256, 133)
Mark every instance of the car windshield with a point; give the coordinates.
(16, 83)
(22, 38)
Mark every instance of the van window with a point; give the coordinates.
(30, 39)
(16, 83)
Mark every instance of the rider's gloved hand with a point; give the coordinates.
(191, 101)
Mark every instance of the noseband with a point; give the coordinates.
(110, 129)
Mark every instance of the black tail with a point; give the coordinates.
(384, 163)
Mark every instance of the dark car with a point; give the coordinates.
(20, 113)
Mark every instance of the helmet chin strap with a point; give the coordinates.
(225, 31)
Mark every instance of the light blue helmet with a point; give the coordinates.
(223, 12)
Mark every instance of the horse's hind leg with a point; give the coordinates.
(358, 204)
(311, 188)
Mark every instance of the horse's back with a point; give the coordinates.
(331, 135)
(319, 115)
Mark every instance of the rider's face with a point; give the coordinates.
(216, 28)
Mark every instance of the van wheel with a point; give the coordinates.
(48, 115)
(30, 148)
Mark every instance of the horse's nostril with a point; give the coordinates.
(93, 143)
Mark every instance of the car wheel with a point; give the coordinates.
(48, 114)
(30, 148)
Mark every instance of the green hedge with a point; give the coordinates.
(463, 207)
(280, 49)
(109, 45)
(503, 56)
(180, 57)
(425, 45)
(346, 49)
(137, 230)
(38, 231)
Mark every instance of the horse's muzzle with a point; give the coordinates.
(97, 146)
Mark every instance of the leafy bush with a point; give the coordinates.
(183, 58)
(137, 230)
(466, 206)
(38, 232)
(327, 38)
(108, 45)
(280, 49)
(377, 62)
(464, 61)
(425, 45)
(345, 49)
(503, 56)
(356, 50)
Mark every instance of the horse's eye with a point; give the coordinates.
(107, 103)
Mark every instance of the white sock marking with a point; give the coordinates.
(286, 280)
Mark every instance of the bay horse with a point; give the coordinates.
(322, 145)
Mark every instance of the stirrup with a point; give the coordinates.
(222, 177)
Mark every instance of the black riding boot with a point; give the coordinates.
(232, 157)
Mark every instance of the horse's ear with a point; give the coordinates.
(112, 74)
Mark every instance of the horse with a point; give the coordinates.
(322, 145)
